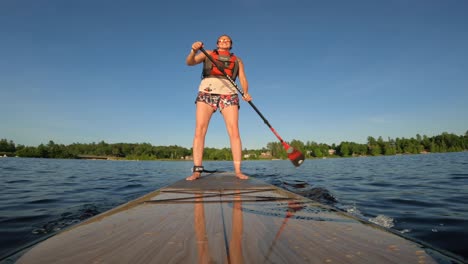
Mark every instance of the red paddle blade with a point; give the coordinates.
(294, 155)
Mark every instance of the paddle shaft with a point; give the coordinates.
(242, 93)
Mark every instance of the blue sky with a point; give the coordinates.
(323, 71)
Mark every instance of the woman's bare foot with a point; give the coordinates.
(241, 176)
(194, 176)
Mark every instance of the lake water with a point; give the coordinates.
(421, 196)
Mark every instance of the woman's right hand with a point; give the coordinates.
(196, 46)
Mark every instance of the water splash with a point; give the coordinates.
(353, 210)
(382, 220)
(404, 231)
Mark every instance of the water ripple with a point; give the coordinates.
(458, 176)
(44, 201)
(416, 203)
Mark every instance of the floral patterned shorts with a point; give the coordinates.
(216, 101)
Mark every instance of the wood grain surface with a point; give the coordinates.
(220, 219)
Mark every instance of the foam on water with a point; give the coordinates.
(382, 220)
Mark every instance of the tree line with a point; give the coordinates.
(445, 142)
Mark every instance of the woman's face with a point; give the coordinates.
(224, 42)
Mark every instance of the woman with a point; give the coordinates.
(216, 92)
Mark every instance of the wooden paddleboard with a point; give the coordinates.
(220, 219)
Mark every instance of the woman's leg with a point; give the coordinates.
(231, 118)
(202, 119)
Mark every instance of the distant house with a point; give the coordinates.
(265, 155)
(331, 152)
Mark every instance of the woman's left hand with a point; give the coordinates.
(246, 97)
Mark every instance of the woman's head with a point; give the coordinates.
(224, 42)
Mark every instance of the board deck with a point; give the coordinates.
(220, 219)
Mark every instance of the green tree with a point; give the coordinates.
(28, 152)
(389, 149)
(440, 143)
(276, 149)
(318, 152)
(7, 146)
(344, 149)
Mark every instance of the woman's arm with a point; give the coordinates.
(193, 58)
(243, 80)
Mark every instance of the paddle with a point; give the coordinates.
(294, 155)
